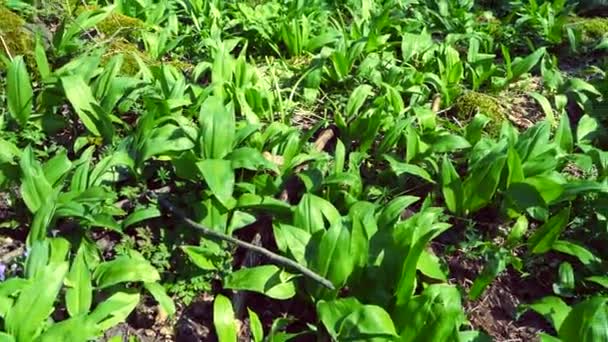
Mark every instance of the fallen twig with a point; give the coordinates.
(221, 236)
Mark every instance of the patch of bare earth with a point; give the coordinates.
(495, 312)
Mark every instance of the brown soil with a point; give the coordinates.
(495, 312)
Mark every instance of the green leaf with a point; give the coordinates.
(207, 256)
(81, 98)
(414, 44)
(434, 315)
(356, 100)
(124, 269)
(79, 293)
(400, 168)
(451, 187)
(552, 308)
(545, 236)
(35, 188)
(518, 230)
(255, 326)
(348, 320)
(41, 60)
(580, 252)
(73, 329)
(19, 93)
(545, 105)
(312, 211)
(35, 302)
(392, 211)
(430, 265)
(563, 136)
(114, 310)
(139, 215)
(217, 128)
(4, 337)
(524, 65)
(268, 280)
(600, 280)
(223, 319)
(57, 167)
(219, 176)
(334, 259)
(292, 239)
(586, 322)
(160, 295)
(491, 270)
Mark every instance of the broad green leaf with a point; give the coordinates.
(114, 310)
(255, 326)
(586, 322)
(430, 265)
(392, 211)
(223, 319)
(451, 187)
(334, 259)
(81, 98)
(349, 320)
(35, 302)
(545, 105)
(495, 265)
(268, 280)
(139, 215)
(400, 168)
(35, 188)
(219, 176)
(514, 167)
(518, 230)
(57, 167)
(19, 93)
(482, 182)
(587, 129)
(356, 100)
(552, 308)
(434, 315)
(41, 60)
(312, 211)
(4, 337)
(79, 293)
(545, 236)
(207, 256)
(524, 65)
(124, 269)
(217, 128)
(414, 44)
(292, 239)
(73, 329)
(585, 256)
(421, 231)
(160, 295)
(473, 336)
(600, 280)
(563, 136)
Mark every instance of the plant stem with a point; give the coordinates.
(221, 236)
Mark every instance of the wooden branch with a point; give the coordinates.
(221, 236)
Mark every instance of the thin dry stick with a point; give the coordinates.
(221, 236)
(8, 52)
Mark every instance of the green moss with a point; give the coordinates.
(592, 29)
(17, 39)
(471, 103)
(119, 25)
(129, 51)
(116, 24)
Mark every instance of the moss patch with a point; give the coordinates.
(115, 24)
(592, 29)
(129, 51)
(17, 39)
(119, 25)
(471, 103)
